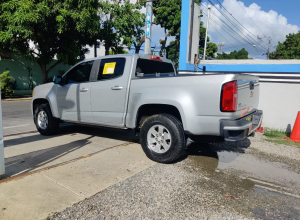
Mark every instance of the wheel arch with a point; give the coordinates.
(40, 101)
(147, 110)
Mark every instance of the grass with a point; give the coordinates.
(277, 137)
(284, 142)
(273, 133)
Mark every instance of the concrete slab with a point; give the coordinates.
(91, 175)
(28, 152)
(35, 196)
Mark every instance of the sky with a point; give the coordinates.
(266, 18)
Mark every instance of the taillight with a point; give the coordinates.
(157, 58)
(229, 97)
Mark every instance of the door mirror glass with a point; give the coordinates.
(57, 79)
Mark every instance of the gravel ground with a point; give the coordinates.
(287, 155)
(196, 187)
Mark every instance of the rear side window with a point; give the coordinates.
(80, 73)
(111, 68)
(154, 68)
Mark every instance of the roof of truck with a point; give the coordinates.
(143, 56)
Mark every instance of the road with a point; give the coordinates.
(16, 116)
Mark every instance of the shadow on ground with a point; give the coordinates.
(28, 162)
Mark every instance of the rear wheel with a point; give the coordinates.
(162, 138)
(44, 121)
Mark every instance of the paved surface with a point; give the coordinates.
(16, 116)
(220, 181)
(97, 173)
(101, 173)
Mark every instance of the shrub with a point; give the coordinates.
(7, 84)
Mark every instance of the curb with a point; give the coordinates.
(17, 99)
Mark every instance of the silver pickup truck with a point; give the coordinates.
(144, 92)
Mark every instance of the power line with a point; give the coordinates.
(230, 33)
(236, 19)
(235, 25)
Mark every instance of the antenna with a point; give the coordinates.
(221, 44)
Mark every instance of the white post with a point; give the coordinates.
(148, 28)
(2, 164)
(208, 11)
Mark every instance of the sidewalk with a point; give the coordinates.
(17, 99)
(45, 174)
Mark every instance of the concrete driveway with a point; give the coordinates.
(101, 173)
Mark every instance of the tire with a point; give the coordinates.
(168, 147)
(48, 126)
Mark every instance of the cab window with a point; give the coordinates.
(80, 73)
(111, 68)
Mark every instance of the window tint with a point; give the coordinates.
(80, 73)
(111, 68)
(152, 67)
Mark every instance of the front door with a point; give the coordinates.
(108, 94)
(74, 96)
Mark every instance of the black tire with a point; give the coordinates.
(53, 123)
(178, 143)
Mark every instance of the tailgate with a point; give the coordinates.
(248, 95)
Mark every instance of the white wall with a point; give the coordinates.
(280, 103)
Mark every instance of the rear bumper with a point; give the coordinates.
(239, 129)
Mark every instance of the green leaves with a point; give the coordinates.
(289, 49)
(39, 30)
(241, 54)
(121, 22)
(168, 15)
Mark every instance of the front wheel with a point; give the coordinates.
(44, 121)
(162, 138)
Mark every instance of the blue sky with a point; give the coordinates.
(269, 18)
(289, 8)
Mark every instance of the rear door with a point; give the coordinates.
(248, 95)
(109, 91)
(74, 97)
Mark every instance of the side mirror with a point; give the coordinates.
(57, 80)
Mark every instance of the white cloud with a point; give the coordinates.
(265, 24)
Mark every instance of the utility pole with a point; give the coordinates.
(269, 43)
(2, 163)
(208, 12)
(221, 45)
(149, 13)
(269, 47)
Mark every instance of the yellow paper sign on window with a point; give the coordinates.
(109, 68)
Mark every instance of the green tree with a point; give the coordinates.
(41, 30)
(173, 52)
(119, 50)
(289, 49)
(211, 48)
(7, 84)
(168, 15)
(121, 23)
(237, 55)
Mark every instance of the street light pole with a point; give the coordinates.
(148, 27)
(208, 12)
(2, 164)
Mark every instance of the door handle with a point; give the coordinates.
(117, 88)
(84, 90)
